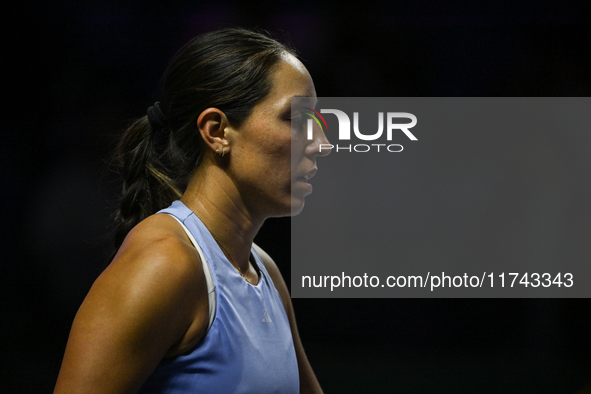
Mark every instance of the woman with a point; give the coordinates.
(189, 303)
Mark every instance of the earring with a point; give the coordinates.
(223, 151)
(217, 151)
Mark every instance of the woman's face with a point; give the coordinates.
(271, 165)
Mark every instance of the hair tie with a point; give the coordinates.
(156, 118)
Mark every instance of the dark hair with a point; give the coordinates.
(227, 69)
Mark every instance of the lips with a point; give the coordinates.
(308, 175)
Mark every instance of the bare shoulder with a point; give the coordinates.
(156, 271)
(157, 236)
(159, 270)
(156, 256)
(149, 303)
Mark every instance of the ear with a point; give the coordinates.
(212, 124)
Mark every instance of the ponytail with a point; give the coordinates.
(146, 186)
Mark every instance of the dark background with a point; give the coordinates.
(76, 73)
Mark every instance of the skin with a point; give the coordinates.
(151, 302)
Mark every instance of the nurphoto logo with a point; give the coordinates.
(345, 130)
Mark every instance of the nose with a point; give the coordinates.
(319, 145)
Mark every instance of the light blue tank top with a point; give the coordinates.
(248, 348)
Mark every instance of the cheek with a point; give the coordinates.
(265, 151)
(278, 165)
(275, 145)
(297, 152)
(279, 160)
(268, 158)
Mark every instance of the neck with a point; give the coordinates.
(215, 200)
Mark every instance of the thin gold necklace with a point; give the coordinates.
(230, 259)
(228, 255)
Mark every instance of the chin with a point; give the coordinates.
(297, 206)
